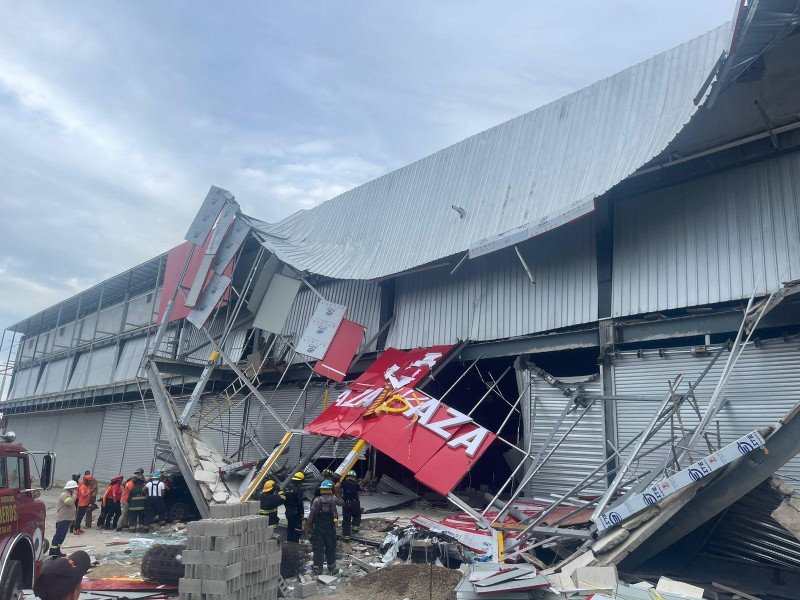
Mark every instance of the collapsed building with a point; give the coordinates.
(607, 246)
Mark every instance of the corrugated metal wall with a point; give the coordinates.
(581, 452)
(709, 240)
(764, 386)
(116, 422)
(362, 299)
(492, 297)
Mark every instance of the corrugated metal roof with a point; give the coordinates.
(531, 173)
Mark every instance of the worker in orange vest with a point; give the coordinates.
(82, 500)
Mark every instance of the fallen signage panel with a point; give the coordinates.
(694, 472)
(436, 442)
(207, 215)
(321, 329)
(277, 302)
(340, 353)
(209, 298)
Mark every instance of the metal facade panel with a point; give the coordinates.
(362, 299)
(140, 441)
(102, 364)
(116, 421)
(492, 297)
(77, 440)
(235, 344)
(764, 386)
(708, 240)
(54, 376)
(133, 350)
(529, 170)
(140, 311)
(25, 381)
(78, 377)
(581, 452)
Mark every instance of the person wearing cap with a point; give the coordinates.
(155, 501)
(351, 510)
(110, 504)
(82, 500)
(93, 489)
(126, 492)
(61, 578)
(294, 507)
(321, 523)
(65, 516)
(270, 500)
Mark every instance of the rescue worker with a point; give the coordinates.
(126, 492)
(155, 501)
(326, 474)
(61, 578)
(93, 489)
(137, 503)
(351, 510)
(76, 477)
(65, 516)
(294, 507)
(82, 501)
(110, 504)
(270, 500)
(322, 519)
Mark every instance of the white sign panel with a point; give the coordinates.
(230, 245)
(694, 472)
(321, 329)
(208, 213)
(225, 220)
(209, 298)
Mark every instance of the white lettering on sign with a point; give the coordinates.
(424, 411)
(363, 398)
(402, 381)
(472, 441)
(412, 371)
(457, 420)
(431, 358)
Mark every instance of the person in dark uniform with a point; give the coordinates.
(270, 500)
(351, 509)
(326, 474)
(294, 508)
(322, 524)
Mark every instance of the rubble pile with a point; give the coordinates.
(399, 581)
(232, 555)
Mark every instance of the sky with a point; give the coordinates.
(116, 117)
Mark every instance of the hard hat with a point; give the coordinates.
(352, 474)
(156, 474)
(326, 472)
(71, 485)
(299, 476)
(326, 486)
(269, 485)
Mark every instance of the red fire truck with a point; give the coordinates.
(22, 537)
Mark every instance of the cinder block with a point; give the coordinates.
(252, 507)
(192, 557)
(220, 528)
(227, 543)
(222, 559)
(196, 528)
(189, 586)
(305, 589)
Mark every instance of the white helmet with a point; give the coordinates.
(71, 485)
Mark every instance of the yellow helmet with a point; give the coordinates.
(299, 476)
(269, 485)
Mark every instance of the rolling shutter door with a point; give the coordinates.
(582, 450)
(139, 444)
(763, 387)
(112, 442)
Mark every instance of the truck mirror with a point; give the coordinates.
(47, 472)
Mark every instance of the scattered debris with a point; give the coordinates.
(401, 581)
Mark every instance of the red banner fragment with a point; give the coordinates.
(340, 353)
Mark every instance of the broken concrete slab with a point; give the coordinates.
(670, 586)
(600, 578)
(327, 579)
(612, 540)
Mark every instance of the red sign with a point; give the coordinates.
(435, 441)
(340, 353)
(176, 259)
(395, 368)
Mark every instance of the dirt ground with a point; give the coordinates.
(116, 555)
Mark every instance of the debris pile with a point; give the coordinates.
(231, 555)
(400, 581)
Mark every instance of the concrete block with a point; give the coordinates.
(192, 557)
(274, 558)
(222, 559)
(189, 586)
(226, 511)
(196, 528)
(223, 544)
(220, 527)
(252, 507)
(326, 579)
(306, 589)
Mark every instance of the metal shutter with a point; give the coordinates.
(763, 387)
(110, 449)
(582, 450)
(139, 443)
(133, 350)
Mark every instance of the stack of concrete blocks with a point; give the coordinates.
(231, 556)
